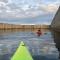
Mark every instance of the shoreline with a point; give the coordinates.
(4, 26)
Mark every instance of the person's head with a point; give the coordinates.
(39, 30)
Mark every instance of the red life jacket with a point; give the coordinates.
(39, 33)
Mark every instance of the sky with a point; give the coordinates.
(28, 11)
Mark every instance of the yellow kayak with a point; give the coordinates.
(22, 53)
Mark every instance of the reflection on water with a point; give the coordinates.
(41, 48)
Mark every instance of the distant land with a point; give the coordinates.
(13, 26)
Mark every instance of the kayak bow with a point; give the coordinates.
(22, 53)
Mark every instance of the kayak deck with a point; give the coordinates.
(22, 53)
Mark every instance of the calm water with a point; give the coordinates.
(41, 48)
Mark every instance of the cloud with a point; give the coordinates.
(52, 8)
(27, 8)
(43, 19)
(5, 1)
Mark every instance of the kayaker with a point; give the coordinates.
(39, 32)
